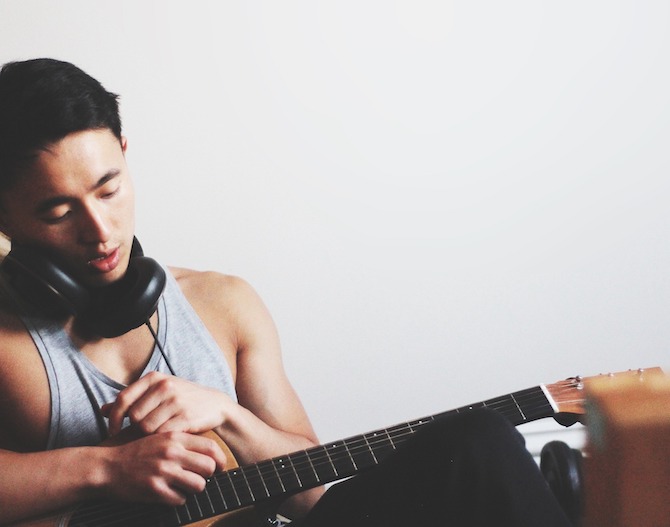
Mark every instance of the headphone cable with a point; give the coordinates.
(160, 348)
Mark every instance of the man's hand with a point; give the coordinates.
(163, 467)
(159, 403)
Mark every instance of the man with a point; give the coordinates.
(67, 202)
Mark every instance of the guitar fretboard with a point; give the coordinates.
(333, 461)
(285, 475)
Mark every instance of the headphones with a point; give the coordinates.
(108, 311)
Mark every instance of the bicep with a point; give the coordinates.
(262, 384)
(25, 398)
(243, 327)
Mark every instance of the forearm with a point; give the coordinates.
(252, 440)
(160, 468)
(33, 484)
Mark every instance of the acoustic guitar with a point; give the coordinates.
(236, 497)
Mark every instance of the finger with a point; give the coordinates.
(173, 488)
(113, 428)
(164, 423)
(206, 447)
(128, 400)
(157, 410)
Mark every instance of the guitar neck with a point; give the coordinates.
(316, 466)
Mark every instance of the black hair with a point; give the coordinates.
(41, 102)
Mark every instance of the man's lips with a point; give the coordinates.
(106, 262)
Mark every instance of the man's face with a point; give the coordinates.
(76, 200)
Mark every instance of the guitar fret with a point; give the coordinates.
(372, 452)
(341, 460)
(415, 425)
(398, 432)
(186, 517)
(322, 464)
(198, 509)
(225, 490)
(287, 477)
(246, 481)
(353, 461)
(297, 477)
(330, 460)
(359, 451)
(304, 467)
(313, 468)
(241, 486)
(232, 486)
(175, 517)
(518, 407)
(381, 444)
(535, 403)
(505, 406)
(262, 480)
(278, 476)
(205, 503)
(271, 478)
(390, 439)
(221, 494)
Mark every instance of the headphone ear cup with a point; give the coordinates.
(129, 303)
(41, 281)
(561, 466)
(108, 311)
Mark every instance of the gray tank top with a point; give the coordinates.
(79, 388)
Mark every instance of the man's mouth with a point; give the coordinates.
(106, 262)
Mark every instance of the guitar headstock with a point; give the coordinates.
(568, 395)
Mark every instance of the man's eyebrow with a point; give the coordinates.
(55, 201)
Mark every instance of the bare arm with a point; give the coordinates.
(269, 419)
(32, 481)
(162, 467)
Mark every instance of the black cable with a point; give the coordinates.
(160, 348)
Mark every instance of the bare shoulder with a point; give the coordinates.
(209, 283)
(24, 391)
(15, 342)
(230, 308)
(213, 292)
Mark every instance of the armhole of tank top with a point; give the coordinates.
(54, 390)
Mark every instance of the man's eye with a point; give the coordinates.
(57, 216)
(110, 193)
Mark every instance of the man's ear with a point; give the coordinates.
(124, 143)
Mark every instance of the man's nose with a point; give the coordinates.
(94, 225)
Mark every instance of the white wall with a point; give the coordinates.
(440, 202)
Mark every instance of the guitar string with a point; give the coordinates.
(319, 454)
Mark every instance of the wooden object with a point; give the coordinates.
(627, 463)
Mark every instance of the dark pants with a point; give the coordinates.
(470, 469)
